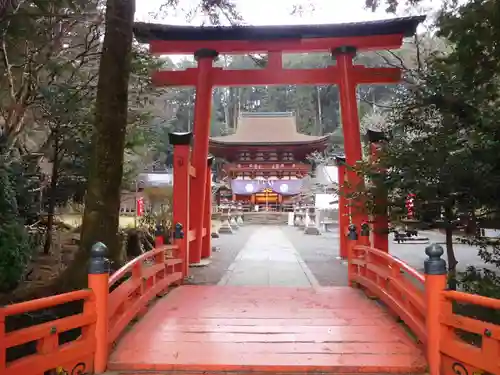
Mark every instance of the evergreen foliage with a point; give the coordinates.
(15, 247)
(444, 143)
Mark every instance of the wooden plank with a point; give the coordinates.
(216, 361)
(218, 328)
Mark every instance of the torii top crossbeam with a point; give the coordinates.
(276, 40)
(372, 35)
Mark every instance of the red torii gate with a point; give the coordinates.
(206, 43)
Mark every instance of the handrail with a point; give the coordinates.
(51, 353)
(425, 305)
(404, 266)
(478, 358)
(473, 299)
(43, 303)
(384, 276)
(115, 277)
(146, 281)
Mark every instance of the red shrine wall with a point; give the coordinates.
(267, 165)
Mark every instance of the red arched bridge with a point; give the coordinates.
(143, 320)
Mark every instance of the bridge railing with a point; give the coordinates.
(134, 285)
(47, 343)
(127, 293)
(453, 342)
(395, 283)
(468, 343)
(80, 341)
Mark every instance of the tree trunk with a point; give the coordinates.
(51, 208)
(102, 202)
(450, 253)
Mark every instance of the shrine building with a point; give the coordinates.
(266, 158)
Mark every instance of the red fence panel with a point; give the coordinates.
(468, 345)
(134, 285)
(43, 347)
(398, 285)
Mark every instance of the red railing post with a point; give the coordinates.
(181, 193)
(343, 210)
(352, 241)
(380, 219)
(435, 283)
(98, 279)
(206, 250)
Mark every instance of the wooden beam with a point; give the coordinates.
(363, 75)
(277, 76)
(365, 43)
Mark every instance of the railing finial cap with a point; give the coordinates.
(434, 264)
(352, 234)
(434, 251)
(99, 250)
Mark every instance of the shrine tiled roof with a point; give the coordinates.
(146, 32)
(267, 128)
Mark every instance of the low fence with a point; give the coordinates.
(72, 332)
(399, 286)
(453, 343)
(45, 343)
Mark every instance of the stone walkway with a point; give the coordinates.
(321, 254)
(269, 259)
(228, 247)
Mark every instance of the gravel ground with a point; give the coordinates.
(320, 254)
(229, 245)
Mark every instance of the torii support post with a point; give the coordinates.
(206, 250)
(350, 124)
(343, 209)
(181, 192)
(380, 230)
(202, 117)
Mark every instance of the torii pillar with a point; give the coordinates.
(202, 117)
(350, 125)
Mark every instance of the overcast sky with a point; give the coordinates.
(274, 12)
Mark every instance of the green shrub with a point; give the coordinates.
(15, 251)
(15, 248)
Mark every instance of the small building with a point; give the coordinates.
(266, 158)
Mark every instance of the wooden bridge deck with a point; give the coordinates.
(267, 329)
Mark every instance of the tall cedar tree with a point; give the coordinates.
(102, 202)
